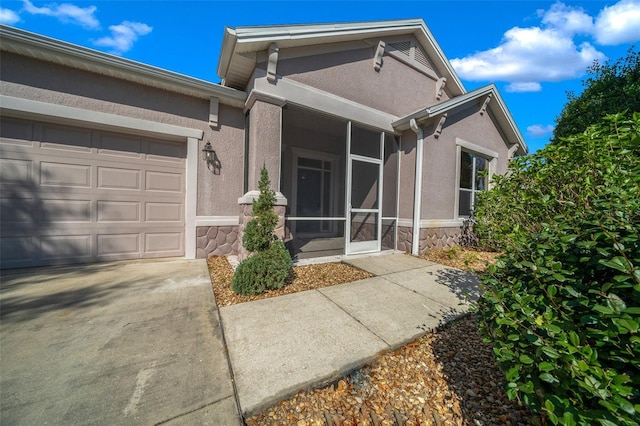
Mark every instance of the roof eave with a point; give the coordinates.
(449, 71)
(44, 48)
(253, 39)
(497, 106)
(229, 40)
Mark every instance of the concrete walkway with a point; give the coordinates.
(281, 345)
(122, 343)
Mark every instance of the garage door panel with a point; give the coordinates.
(65, 174)
(65, 211)
(119, 245)
(16, 171)
(164, 181)
(17, 211)
(163, 212)
(163, 243)
(118, 178)
(119, 146)
(17, 249)
(118, 211)
(62, 138)
(169, 152)
(15, 131)
(65, 246)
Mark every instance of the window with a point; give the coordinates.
(473, 179)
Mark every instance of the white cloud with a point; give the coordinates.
(619, 23)
(549, 51)
(522, 86)
(66, 13)
(123, 36)
(531, 55)
(8, 16)
(540, 131)
(567, 20)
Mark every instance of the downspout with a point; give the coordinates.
(417, 197)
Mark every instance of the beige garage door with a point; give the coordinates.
(74, 195)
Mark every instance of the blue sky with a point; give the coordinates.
(534, 51)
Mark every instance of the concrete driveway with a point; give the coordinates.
(115, 343)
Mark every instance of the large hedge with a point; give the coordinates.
(562, 304)
(609, 87)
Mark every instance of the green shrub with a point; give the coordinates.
(265, 270)
(562, 305)
(270, 264)
(259, 232)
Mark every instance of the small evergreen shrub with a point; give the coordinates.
(265, 270)
(270, 264)
(259, 232)
(562, 305)
(248, 278)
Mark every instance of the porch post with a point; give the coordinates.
(265, 135)
(417, 199)
(265, 148)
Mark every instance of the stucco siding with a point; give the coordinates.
(396, 89)
(47, 82)
(218, 193)
(407, 175)
(440, 159)
(264, 143)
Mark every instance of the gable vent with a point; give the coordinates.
(402, 47)
(413, 54)
(421, 58)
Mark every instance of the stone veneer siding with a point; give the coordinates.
(405, 238)
(430, 238)
(216, 241)
(438, 238)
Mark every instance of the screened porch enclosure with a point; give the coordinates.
(341, 181)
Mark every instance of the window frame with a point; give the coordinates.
(479, 151)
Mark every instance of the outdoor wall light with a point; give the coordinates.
(210, 157)
(208, 154)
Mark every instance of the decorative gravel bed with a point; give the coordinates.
(303, 278)
(447, 377)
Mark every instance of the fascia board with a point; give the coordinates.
(258, 38)
(435, 48)
(229, 40)
(426, 113)
(507, 121)
(310, 30)
(497, 107)
(39, 47)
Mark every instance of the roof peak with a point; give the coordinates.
(336, 24)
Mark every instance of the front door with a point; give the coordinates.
(364, 190)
